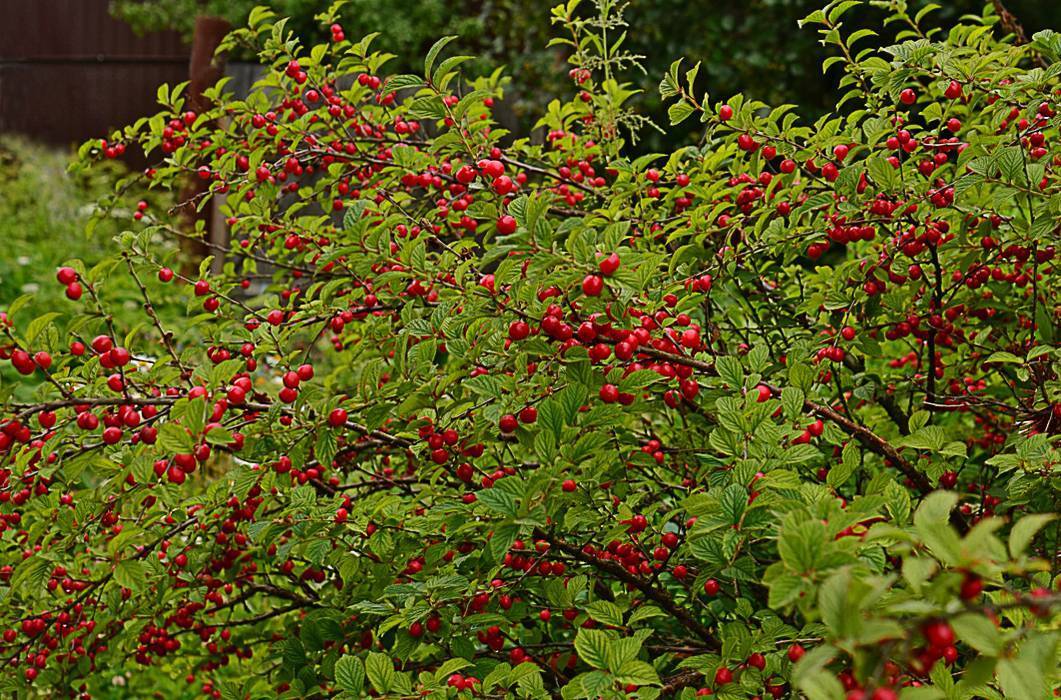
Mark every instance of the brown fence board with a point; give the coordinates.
(69, 71)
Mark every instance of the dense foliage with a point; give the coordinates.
(753, 47)
(776, 414)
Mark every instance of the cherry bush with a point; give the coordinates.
(473, 414)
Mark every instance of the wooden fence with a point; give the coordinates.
(70, 72)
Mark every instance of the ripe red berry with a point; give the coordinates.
(757, 660)
(938, 634)
(528, 415)
(508, 423)
(66, 275)
(609, 393)
(592, 285)
(725, 113)
(609, 264)
(795, 653)
(165, 274)
(908, 96)
(42, 359)
(569, 485)
(337, 417)
(518, 330)
(711, 587)
(506, 225)
(723, 676)
(972, 587)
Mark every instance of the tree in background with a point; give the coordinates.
(747, 47)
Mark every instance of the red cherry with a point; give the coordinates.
(711, 587)
(795, 653)
(939, 634)
(66, 275)
(165, 275)
(508, 423)
(518, 330)
(592, 285)
(337, 417)
(42, 359)
(725, 113)
(569, 485)
(506, 225)
(723, 676)
(908, 96)
(528, 415)
(609, 265)
(972, 587)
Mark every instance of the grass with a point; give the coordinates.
(44, 215)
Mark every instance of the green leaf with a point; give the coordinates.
(840, 473)
(131, 574)
(978, 632)
(638, 672)
(730, 370)
(679, 112)
(404, 80)
(350, 674)
(812, 677)
(931, 521)
(31, 574)
(621, 651)
(592, 647)
(432, 54)
(380, 671)
(1024, 531)
(792, 399)
(1022, 680)
(450, 667)
(605, 611)
(174, 438)
(925, 692)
